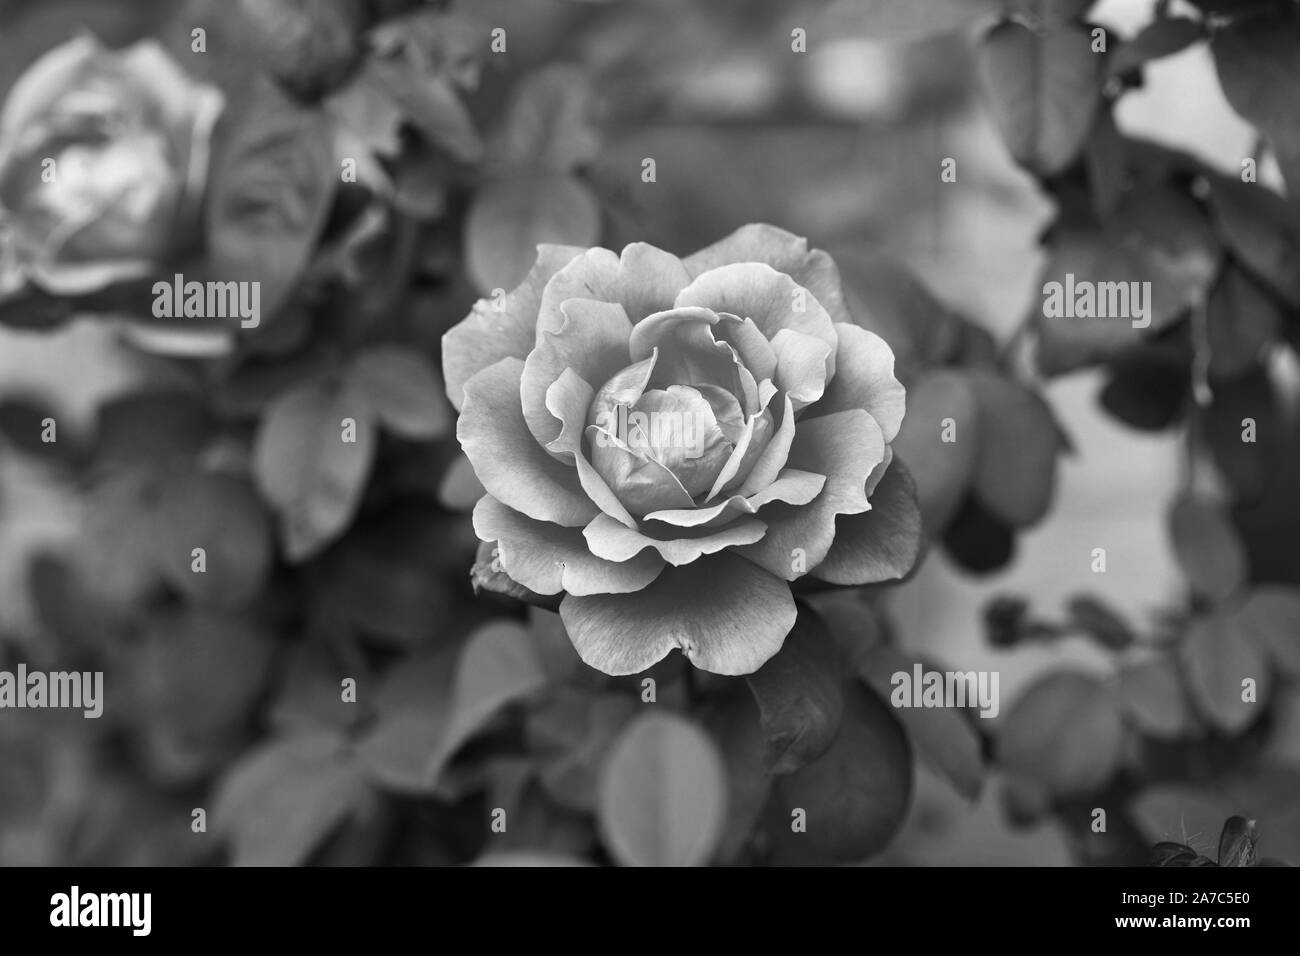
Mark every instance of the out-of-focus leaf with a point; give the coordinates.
(1218, 656)
(571, 735)
(22, 422)
(663, 793)
(1015, 465)
(1242, 321)
(887, 298)
(548, 125)
(404, 390)
(732, 719)
(412, 707)
(306, 471)
(1241, 408)
(1207, 547)
(1156, 235)
(977, 540)
(902, 20)
(1260, 230)
(389, 578)
(272, 186)
(498, 666)
(1258, 60)
(1146, 390)
(510, 217)
(282, 800)
(1064, 734)
(194, 679)
(1270, 616)
(220, 514)
(151, 427)
(1159, 39)
(855, 795)
(942, 469)
(943, 738)
(798, 692)
(1101, 621)
(1152, 694)
(1042, 89)
(431, 103)
(460, 489)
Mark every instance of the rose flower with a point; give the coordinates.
(670, 442)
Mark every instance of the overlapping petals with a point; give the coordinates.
(669, 443)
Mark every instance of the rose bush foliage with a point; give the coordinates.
(654, 549)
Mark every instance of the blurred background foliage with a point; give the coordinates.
(1120, 689)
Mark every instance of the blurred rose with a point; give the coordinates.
(669, 442)
(103, 160)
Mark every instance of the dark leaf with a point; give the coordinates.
(1159, 39)
(977, 540)
(799, 697)
(942, 737)
(1015, 465)
(403, 389)
(942, 469)
(856, 795)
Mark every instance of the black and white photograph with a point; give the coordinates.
(819, 434)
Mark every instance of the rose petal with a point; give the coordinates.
(753, 440)
(643, 280)
(864, 378)
(772, 299)
(845, 447)
(548, 558)
(769, 454)
(800, 366)
(784, 252)
(793, 487)
(507, 459)
(649, 279)
(624, 387)
(881, 544)
(614, 541)
(641, 483)
(499, 328)
(684, 435)
(731, 627)
(750, 343)
(568, 399)
(592, 342)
